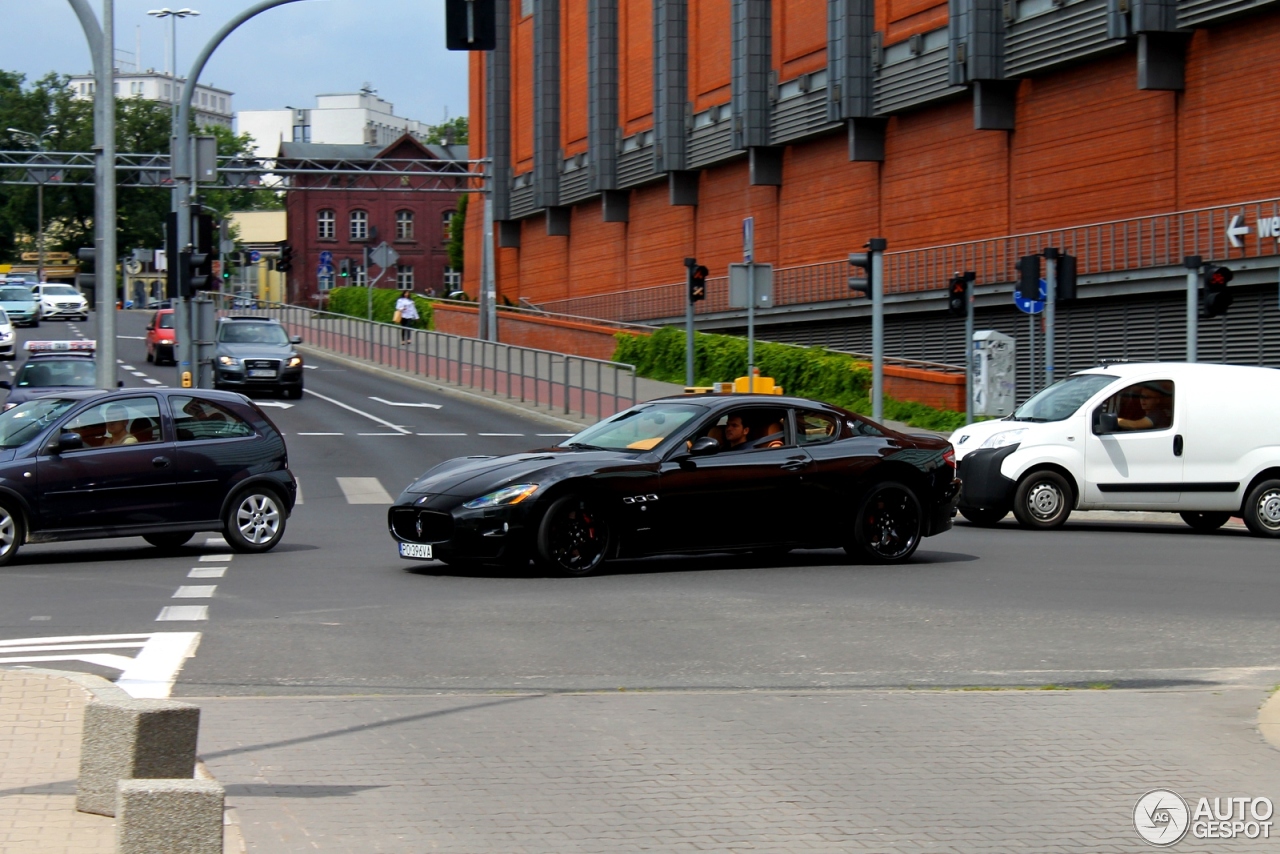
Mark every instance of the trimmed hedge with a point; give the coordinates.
(355, 303)
(835, 378)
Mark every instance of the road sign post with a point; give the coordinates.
(1050, 300)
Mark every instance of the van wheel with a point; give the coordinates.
(1043, 500)
(12, 532)
(983, 517)
(889, 525)
(1205, 522)
(1262, 509)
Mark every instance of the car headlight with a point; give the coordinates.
(295, 362)
(1003, 438)
(229, 361)
(508, 495)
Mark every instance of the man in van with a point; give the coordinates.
(1157, 409)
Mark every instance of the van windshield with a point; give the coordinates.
(1062, 399)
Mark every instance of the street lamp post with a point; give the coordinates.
(172, 70)
(41, 175)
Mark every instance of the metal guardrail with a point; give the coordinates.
(1161, 240)
(554, 382)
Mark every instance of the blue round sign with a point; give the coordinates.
(255, 256)
(1028, 305)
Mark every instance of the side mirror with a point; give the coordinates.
(67, 442)
(1105, 422)
(295, 339)
(704, 447)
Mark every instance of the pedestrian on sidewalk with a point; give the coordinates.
(406, 314)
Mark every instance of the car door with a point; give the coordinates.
(213, 448)
(1133, 452)
(734, 498)
(119, 478)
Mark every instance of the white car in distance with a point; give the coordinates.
(61, 302)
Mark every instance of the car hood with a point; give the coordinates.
(472, 477)
(970, 437)
(19, 305)
(256, 351)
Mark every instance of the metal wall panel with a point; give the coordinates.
(801, 116)
(1197, 13)
(635, 167)
(751, 64)
(546, 103)
(498, 109)
(670, 83)
(712, 144)
(1056, 36)
(851, 78)
(602, 93)
(575, 186)
(915, 80)
(977, 31)
(522, 203)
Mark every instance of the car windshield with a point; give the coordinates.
(61, 291)
(639, 428)
(16, 294)
(166, 321)
(57, 373)
(25, 421)
(1062, 399)
(252, 333)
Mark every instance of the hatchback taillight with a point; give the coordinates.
(949, 457)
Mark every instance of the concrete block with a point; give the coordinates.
(169, 817)
(127, 739)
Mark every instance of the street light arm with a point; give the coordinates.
(92, 29)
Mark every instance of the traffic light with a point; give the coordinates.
(958, 296)
(470, 25)
(1029, 276)
(1214, 297)
(193, 272)
(85, 281)
(1065, 287)
(344, 268)
(863, 260)
(285, 261)
(698, 283)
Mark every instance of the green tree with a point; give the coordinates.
(449, 132)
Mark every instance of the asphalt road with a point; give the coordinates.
(333, 610)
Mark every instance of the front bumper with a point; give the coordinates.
(235, 378)
(495, 534)
(19, 318)
(984, 486)
(61, 311)
(8, 349)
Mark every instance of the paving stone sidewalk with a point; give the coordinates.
(903, 771)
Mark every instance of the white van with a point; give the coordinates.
(1201, 440)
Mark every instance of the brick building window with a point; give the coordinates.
(452, 280)
(360, 277)
(404, 277)
(404, 225)
(324, 224)
(359, 225)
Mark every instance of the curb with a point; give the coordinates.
(1269, 720)
(447, 390)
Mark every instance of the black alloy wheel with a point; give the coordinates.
(168, 542)
(255, 520)
(889, 524)
(1205, 522)
(12, 532)
(573, 537)
(983, 517)
(1044, 500)
(1262, 509)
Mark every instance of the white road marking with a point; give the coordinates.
(132, 338)
(127, 367)
(151, 381)
(38, 619)
(363, 490)
(277, 404)
(350, 408)
(398, 403)
(380, 434)
(499, 434)
(195, 591)
(151, 673)
(322, 434)
(298, 500)
(545, 435)
(207, 572)
(140, 374)
(183, 613)
(215, 541)
(311, 367)
(442, 434)
(215, 558)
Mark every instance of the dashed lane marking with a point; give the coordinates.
(499, 434)
(399, 403)
(127, 367)
(215, 541)
(215, 558)
(150, 673)
(207, 572)
(183, 613)
(139, 374)
(151, 381)
(555, 435)
(195, 591)
(380, 434)
(298, 484)
(442, 434)
(363, 490)
(361, 412)
(321, 434)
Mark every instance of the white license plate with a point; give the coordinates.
(262, 372)
(415, 550)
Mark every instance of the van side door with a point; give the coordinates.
(1133, 456)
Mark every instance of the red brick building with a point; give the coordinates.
(344, 214)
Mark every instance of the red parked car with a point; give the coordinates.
(160, 337)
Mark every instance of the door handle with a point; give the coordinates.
(1177, 445)
(794, 465)
(160, 462)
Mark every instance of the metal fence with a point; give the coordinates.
(1122, 245)
(554, 382)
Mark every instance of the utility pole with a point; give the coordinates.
(1193, 263)
(1050, 298)
(876, 247)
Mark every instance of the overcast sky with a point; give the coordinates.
(283, 57)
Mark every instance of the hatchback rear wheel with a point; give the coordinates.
(12, 532)
(255, 520)
(889, 524)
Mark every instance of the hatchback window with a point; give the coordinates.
(1061, 400)
(165, 321)
(196, 419)
(252, 333)
(132, 421)
(24, 422)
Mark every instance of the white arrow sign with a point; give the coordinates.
(275, 403)
(396, 403)
(1235, 230)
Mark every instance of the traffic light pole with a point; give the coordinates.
(1050, 298)
(1193, 263)
(876, 247)
(968, 354)
(689, 264)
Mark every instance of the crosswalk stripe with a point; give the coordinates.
(363, 490)
(207, 572)
(215, 558)
(183, 613)
(195, 591)
(149, 673)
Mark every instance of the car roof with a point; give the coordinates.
(45, 356)
(241, 317)
(1123, 370)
